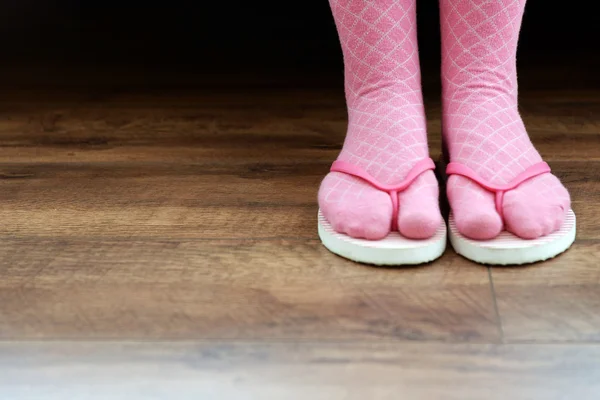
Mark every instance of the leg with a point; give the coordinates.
(386, 123)
(482, 125)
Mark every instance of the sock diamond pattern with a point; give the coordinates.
(482, 126)
(386, 123)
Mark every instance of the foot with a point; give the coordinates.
(386, 123)
(357, 209)
(482, 126)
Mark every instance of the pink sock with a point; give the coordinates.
(482, 126)
(386, 123)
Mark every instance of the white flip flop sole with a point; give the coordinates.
(392, 250)
(508, 249)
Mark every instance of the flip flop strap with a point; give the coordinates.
(459, 169)
(393, 190)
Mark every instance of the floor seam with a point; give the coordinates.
(495, 303)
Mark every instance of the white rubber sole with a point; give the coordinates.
(394, 250)
(508, 249)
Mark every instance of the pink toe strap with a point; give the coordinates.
(531, 172)
(393, 190)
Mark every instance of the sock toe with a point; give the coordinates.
(419, 224)
(371, 225)
(559, 219)
(526, 229)
(355, 229)
(530, 222)
(419, 214)
(364, 216)
(474, 209)
(479, 225)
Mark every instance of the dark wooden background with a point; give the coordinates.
(282, 40)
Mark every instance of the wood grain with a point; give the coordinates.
(196, 199)
(327, 371)
(564, 125)
(232, 289)
(188, 217)
(557, 300)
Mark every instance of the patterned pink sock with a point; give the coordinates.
(482, 126)
(386, 123)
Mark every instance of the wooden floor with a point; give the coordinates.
(163, 245)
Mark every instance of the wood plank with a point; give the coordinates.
(174, 118)
(332, 371)
(159, 201)
(96, 175)
(564, 125)
(299, 145)
(196, 200)
(161, 289)
(557, 300)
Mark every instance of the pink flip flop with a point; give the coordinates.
(394, 249)
(507, 249)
